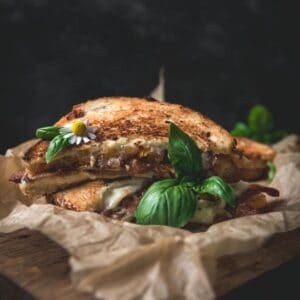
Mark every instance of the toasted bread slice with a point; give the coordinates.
(34, 186)
(249, 163)
(132, 138)
(254, 150)
(129, 127)
(98, 195)
(87, 196)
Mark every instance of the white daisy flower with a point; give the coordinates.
(78, 132)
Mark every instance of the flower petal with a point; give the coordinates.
(64, 130)
(73, 139)
(66, 136)
(78, 141)
(86, 139)
(92, 129)
(92, 136)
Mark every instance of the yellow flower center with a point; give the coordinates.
(78, 128)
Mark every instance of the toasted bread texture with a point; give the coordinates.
(132, 138)
(255, 150)
(47, 183)
(97, 195)
(249, 163)
(88, 196)
(127, 119)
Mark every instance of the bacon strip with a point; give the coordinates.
(257, 188)
(254, 192)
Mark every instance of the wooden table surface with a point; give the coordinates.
(38, 265)
(34, 267)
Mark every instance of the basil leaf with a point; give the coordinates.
(241, 129)
(188, 181)
(57, 144)
(183, 153)
(271, 171)
(166, 203)
(217, 187)
(260, 119)
(47, 133)
(259, 137)
(260, 126)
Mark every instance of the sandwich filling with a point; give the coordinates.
(110, 154)
(147, 162)
(119, 199)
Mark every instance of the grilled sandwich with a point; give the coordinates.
(109, 173)
(131, 141)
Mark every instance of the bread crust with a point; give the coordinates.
(84, 197)
(255, 150)
(125, 117)
(137, 131)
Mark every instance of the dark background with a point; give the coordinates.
(220, 57)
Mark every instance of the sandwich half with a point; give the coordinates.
(131, 141)
(128, 151)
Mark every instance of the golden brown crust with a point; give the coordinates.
(118, 117)
(100, 195)
(37, 150)
(255, 150)
(248, 163)
(233, 168)
(47, 183)
(84, 197)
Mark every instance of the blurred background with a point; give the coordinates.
(219, 57)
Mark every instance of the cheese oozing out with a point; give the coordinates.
(118, 190)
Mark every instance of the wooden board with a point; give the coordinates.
(233, 271)
(40, 266)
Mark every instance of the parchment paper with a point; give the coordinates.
(115, 260)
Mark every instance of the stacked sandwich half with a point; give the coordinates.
(106, 153)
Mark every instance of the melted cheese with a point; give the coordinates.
(240, 187)
(118, 190)
(129, 146)
(208, 210)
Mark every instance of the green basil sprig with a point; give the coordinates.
(217, 187)
(183, 153)
(241, 129)
(173, 202)
(260, 119)
(57, 143)
(260, 126)
(47, 133)
(271, 171)
(167, 202)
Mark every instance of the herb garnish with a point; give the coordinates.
(47, 133)
(61, 137)
(58, 141)
(173, 202)
(167, 202)
(271, 171)
(260, 126)
(183, 153)
(217, 187)
(56, 145)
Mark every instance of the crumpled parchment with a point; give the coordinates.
(120, 260)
